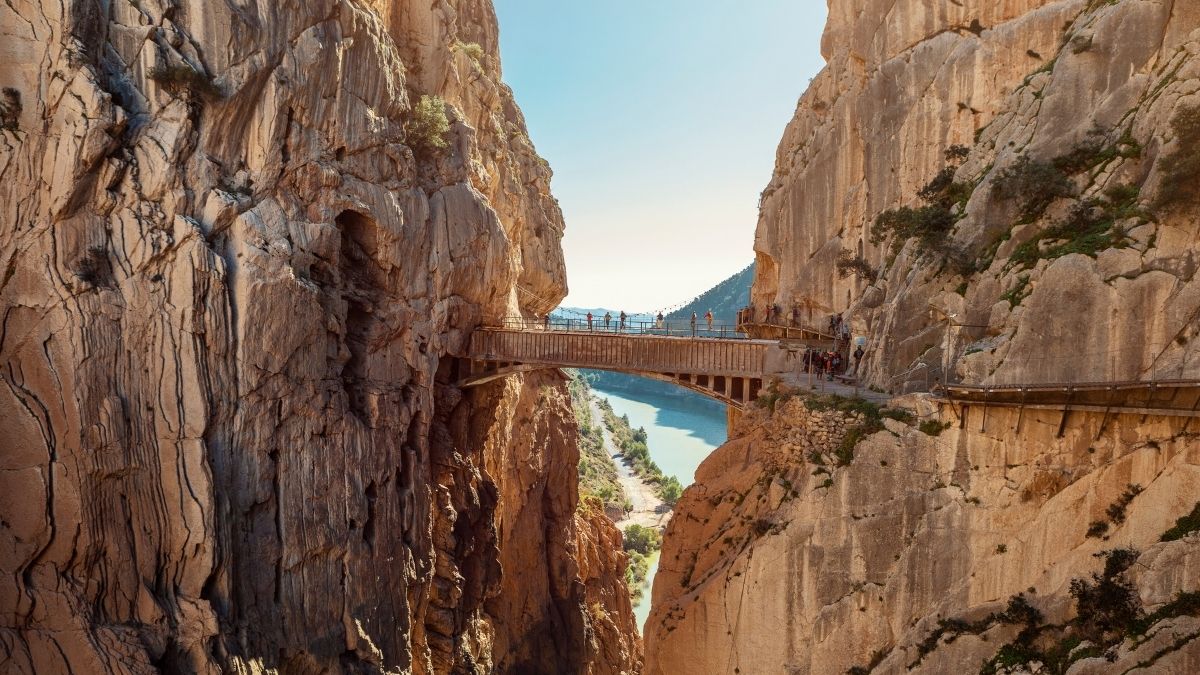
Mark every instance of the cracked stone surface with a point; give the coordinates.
(775, 563)
(907, 80)
(228, 284)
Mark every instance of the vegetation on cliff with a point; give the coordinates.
(597, 474)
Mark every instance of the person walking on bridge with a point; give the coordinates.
(589, 319)
(607, 319)
(708, 317)
(693, 324)
(623, 317)
(658, 321)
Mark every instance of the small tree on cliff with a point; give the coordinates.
(427, 124)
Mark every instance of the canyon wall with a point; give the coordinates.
(1069, 119)
(781, 558)
(236, 248)
(988, 192)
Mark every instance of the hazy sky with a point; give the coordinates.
(660, 119)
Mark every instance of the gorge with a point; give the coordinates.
(244, 248)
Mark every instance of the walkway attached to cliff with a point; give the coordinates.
(1158, 398)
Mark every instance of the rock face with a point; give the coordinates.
(1008, 190)
(779, 561)
(233, 260)
(1067, 130)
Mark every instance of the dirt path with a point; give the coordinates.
(648, 509)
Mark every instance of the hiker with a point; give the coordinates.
(832, 325)
(623, 319)
(607, 319)
(838, 325)
(837, 363)
(829, 366)
(858, 354)
(693, 324)
(709, 318)
(658, 321)
(589, 318)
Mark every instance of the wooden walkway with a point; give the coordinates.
(1157, 398)
(729, 370)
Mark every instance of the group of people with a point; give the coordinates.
(623, 319)
(830, 362)
(773, 314)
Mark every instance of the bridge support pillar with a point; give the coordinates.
(732, 417)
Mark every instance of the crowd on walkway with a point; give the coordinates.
(622, 322)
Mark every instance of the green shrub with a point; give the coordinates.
(1097, 529)
(850, 264)
(898, 414)
(1184, 604)
(1036, 184)
(10, 109)
(1108, 602)
(930, 225)
(1017, 294)
(427, 124)
(472, 49)
(1184, 526)
(1116, 510)
(933, 427)
(1181, 169)
(1090, 227)
(182, 78)
(644, 540)
(670, 490)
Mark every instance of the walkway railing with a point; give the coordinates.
(701, 329)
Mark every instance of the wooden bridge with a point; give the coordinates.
(729, 370)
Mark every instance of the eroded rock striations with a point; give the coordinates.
(781, 558)
(991, 193)
(1059, 192)
(235, 250)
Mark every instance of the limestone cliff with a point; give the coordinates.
(1036, 145)
(784, 557)
(237, 242)
(988, 192)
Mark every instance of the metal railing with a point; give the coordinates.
(614, 326)
(768, 318)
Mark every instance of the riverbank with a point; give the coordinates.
(646, 508)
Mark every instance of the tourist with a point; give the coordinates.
(709, 318)
(658, 321)
(589, 320)
(607, 319)
(623, 319)
(693, 324)
(832, 325)
(858, 354)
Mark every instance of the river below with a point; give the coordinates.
(680, 432)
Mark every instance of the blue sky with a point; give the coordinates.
(660, 119)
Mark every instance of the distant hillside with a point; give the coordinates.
(724, 299)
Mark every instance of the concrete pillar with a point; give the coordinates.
(732, 417)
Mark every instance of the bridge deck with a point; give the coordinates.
(730, 370)
(642, 353)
